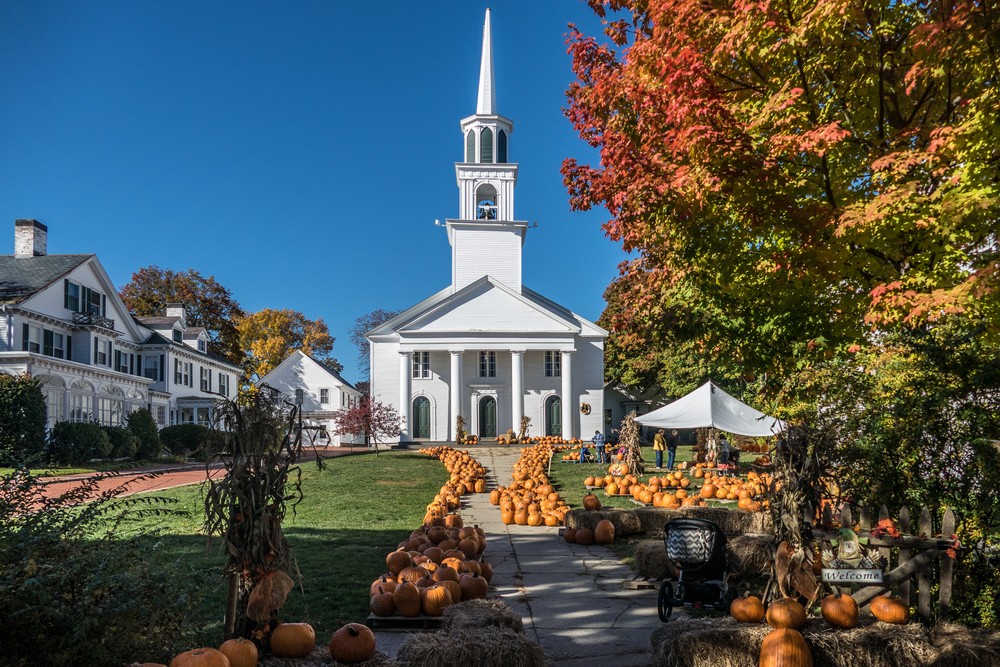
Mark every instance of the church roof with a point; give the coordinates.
(21, 277)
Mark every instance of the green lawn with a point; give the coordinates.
(353, 514)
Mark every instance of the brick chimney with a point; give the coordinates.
(30, 238)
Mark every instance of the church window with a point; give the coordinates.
(421, 364)
(486, 146)
(501, 146)
(487, 364)
(553, 364)
(470, 146)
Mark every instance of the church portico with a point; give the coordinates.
(488, 348)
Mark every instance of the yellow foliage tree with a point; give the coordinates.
(268, 336)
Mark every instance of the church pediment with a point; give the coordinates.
(489, 306)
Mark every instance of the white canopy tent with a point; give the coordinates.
(710, 407)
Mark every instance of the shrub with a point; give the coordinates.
(123, 442)
(22, 420)
(78, 442)
(142, 425)
(73, 591)
(192, 440)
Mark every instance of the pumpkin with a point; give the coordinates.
(604, 532)
(200, 657)
(473, 587)
(397, 560)
(444, 573)
(785, 647)
(435, 599)
(570, 535)
(469, 546)
(382, 603)
(454, 588)
(413, 573)
(786, 613)
(584, 536)
(352, 643)
(591, 502)
(748, 609)
(386, 584)
(293, 640)
(407, 599)
(486, 571)
(890, 610)
(840, 611)
(240, 652)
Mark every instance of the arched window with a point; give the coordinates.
(486, 146)
(470, 146)
(501, 146)
(486, 202)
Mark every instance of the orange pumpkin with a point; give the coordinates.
(604, 532)
(293, 640)
(748, 609)
(352, 643)
(786, 613)
(240, 652)
(840, 611)
(435, 599)
(890, 610)
(785, 647)
(200, 657)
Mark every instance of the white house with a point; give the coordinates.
(61, 320)
(319, 391)
(486, 347)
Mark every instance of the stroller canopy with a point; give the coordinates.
(710, 407)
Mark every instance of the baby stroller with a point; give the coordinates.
(698, 547)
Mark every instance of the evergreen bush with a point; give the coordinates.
(142, 425)
(123, 442)
(22, 420)
(74, 443)
(191, 440)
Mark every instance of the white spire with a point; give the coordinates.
(486, 104)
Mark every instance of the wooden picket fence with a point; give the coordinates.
(915, 552)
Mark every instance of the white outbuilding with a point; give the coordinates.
(486, 347)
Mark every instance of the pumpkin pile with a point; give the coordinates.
(439, 565)
(530, 500)
(467, 476)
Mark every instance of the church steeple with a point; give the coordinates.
(486, 104)
(486, 239)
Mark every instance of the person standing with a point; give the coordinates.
(659, 444)
(598, 440)
(672, 441)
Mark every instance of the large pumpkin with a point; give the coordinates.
(584, 536)
(200, 657)
(785, 647)
(397, 560)
(890, 610)
(435, 599)
(604, 532)
(407, 599)
(786, 613)
(293, 640)
(240, 652)
(473, 587)
(840, 611)
(747, 610)
(570, 535)
(382, 603)
(352, 643)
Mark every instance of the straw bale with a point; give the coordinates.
(651, 560)
(625, 521)
(470, 647)
(723, 642)
(320, 657)
(481, 613)
(750, 555)
(959, 646)
(732, 521)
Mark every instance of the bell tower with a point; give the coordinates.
(486, 239)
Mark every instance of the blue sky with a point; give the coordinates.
(297, 151)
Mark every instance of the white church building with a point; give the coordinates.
(486, 347)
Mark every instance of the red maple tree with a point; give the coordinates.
(370, 418)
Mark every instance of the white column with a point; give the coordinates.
(455, 402)
(405, 370)
(568, 400)
(517, 388)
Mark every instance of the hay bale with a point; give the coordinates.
(491, 612)
(470, 647)
(320, 657)
(732, 521)
(651, 560)
(625, 521)
(750, 555)
(652, 519)
(722, 641)
(959, 646)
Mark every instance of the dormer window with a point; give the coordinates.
(201, 345)
(178, 336)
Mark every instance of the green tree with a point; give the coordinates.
(142, 425)
(22, 420)
(208, 304)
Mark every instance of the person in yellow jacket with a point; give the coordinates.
(659, 445)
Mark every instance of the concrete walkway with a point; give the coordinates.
(569, 596)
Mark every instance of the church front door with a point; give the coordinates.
(422, 418)
(553, 416)
(488, 417)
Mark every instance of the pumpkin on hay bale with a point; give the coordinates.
(624, 521)
(702, 642)
(470, 646)
(491, 612)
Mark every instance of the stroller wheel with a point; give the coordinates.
(665, 601)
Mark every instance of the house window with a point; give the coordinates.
(71, 296)
(95, 302)
(178, 373)
(151, 367)
(487, 364)
(188, 374)
(553, 364)
(121, 361)
(161, 415)
(102, 352)
(206, 379)
(178, 336)
(31, 338)
(80, 407)
(201, 345)
(324, 396)
(223, 384)
(421, 364)
(299, 396)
